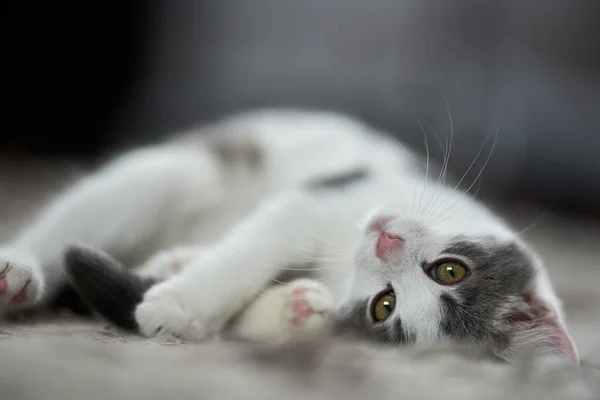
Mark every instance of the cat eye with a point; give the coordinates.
(383, 306)
(448, 272)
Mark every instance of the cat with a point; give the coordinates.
(274, 223)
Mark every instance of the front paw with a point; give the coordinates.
(21, 281)
(307, 305)
(301, 307)
(164, 310)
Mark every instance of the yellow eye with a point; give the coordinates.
(383, 306)
(449, 272)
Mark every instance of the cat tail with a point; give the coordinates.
(106, 286)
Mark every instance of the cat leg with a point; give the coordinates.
(214, 288)
(126, 209)
(282, 311)
(279, 312)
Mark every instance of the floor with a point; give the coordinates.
(60, 357)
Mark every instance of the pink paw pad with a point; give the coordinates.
(21, 296)
(306, 306)
(303, 311)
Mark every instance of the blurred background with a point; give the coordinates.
(85, 80)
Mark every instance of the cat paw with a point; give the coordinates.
(285, 311)
(163, 311)
(21, 281)
(307, 305)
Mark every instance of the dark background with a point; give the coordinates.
(93, 78)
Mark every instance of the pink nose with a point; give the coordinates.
(387, 243)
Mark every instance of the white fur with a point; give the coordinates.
(236, 230)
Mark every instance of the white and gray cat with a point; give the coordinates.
(277, 222)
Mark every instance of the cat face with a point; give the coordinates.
(417, 282)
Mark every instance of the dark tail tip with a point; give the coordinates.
(105, 285)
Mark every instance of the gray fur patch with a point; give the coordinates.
(500, 273)
(236, 151)
(340, 180)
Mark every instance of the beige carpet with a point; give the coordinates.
(63, 358)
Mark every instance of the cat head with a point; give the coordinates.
(467, 278)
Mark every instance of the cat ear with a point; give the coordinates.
(535, 324)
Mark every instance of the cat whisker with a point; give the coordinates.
(406, 152)
(259, 294)
(451, 138)
(446, 159)
(446, 150)
(485, 164)
(319, 259)
(335, 249)
(476, 178)
(427, 160)
(435, 197)
(305, 269)
(332, 246)
(279, 282)
(478, 188)
(538, 219)
(472, 164)
(413, 162)
(333, 276)
(295, 250)
(389, 340)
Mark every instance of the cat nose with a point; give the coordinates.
(387, 242)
